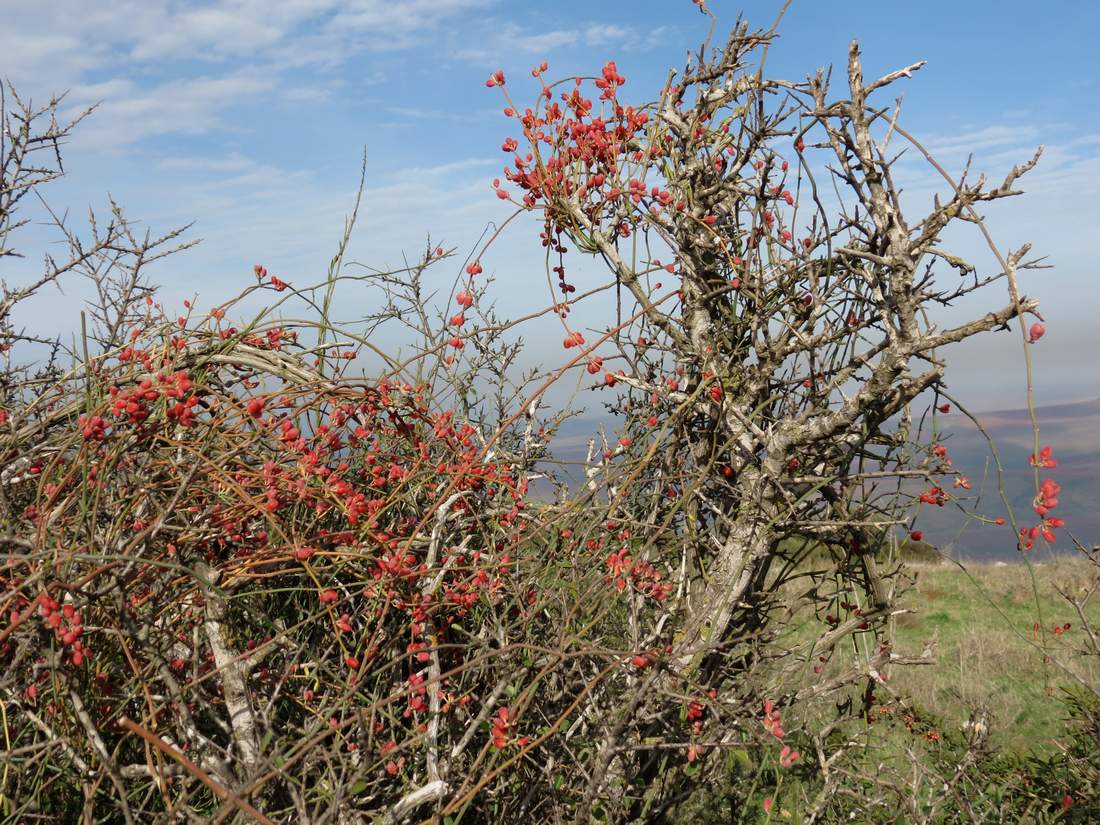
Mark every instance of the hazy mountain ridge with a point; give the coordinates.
(1072, 430)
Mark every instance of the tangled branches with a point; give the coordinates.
(245, 581)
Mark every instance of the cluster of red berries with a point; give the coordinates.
(773, 724)
(92, 427)
(66, 624)
(640, 575)
(934, 495)
(1045, 501)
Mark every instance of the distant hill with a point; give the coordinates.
(1071, 430)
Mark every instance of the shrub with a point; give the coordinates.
(245, 581)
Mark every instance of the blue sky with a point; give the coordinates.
(250, 117)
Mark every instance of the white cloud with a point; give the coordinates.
(85, 35)
(232, 163)
(308, 94)
(545, 42)
(224, 52)
(290, 222)
(437, 115)
(102, 52)
(975, 140)
(447, 168)
(91, 93)
(603, 33)
(188, 106)
(1070, 162)
(398, 16)
(512, 39)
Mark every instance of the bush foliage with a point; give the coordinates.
(247, 581)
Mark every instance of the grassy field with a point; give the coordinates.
(988, 654)
(989, 663)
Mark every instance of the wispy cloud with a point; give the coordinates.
(233, 163)
(1070, 160)
(602, 33)
(512, 39)
(192, 106)
(446, 168)
(435, 115)
(972, 140)
(218, 53)
(391, 17)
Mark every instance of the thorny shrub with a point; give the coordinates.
(245, 581)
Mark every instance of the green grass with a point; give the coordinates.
(981, 618)
(988, 661)
(988, 655)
